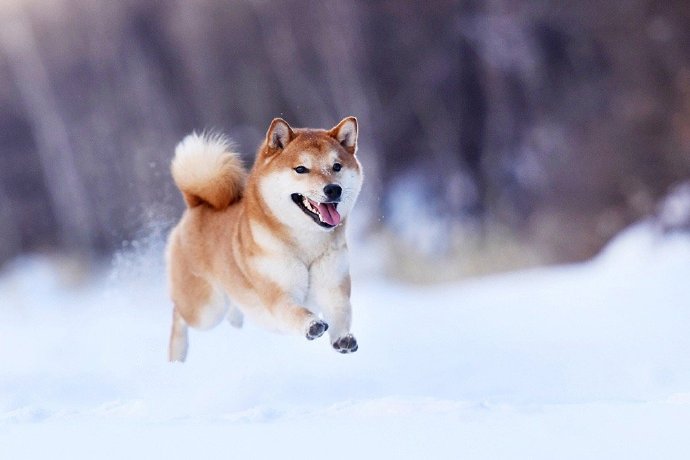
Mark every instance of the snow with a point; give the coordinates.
(582, 361)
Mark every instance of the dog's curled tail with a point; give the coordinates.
(207, 170)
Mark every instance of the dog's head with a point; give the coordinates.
(309, 178)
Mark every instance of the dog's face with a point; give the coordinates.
(308, 178)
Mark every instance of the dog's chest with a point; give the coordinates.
(310, 248)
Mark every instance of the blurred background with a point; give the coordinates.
(495, 134)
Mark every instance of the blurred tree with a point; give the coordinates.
(561, 121)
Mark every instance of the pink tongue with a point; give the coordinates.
(329, 213)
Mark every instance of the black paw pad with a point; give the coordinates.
(347, 344)
(316, 329)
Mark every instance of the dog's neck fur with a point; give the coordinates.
(307, 246)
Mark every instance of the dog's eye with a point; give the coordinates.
(337, 167)
(301, 170)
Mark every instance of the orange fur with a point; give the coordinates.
(229, 239)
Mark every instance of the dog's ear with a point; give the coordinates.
(345, 133)
(279, 135)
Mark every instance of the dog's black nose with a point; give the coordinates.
(333, 191)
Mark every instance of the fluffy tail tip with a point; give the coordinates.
(207, 170)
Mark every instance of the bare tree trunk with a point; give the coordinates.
(66, 191)
(284, 57)
(10, 239)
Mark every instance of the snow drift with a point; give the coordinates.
(581, 361)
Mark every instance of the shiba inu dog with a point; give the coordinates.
(272, 239)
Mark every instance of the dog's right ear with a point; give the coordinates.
(279, 135)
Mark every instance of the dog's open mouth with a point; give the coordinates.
(324, 214)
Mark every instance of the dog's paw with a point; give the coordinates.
(347, 344)
(316, 329)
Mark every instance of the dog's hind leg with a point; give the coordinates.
(198, 304)
(177, 350)
(235, 316)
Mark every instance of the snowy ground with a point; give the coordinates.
(586, 361)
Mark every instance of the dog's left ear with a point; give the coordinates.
(345, 133)
(279, 134)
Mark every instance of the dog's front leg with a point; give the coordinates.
(290, 316)
(330, 290)
(281, 285)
